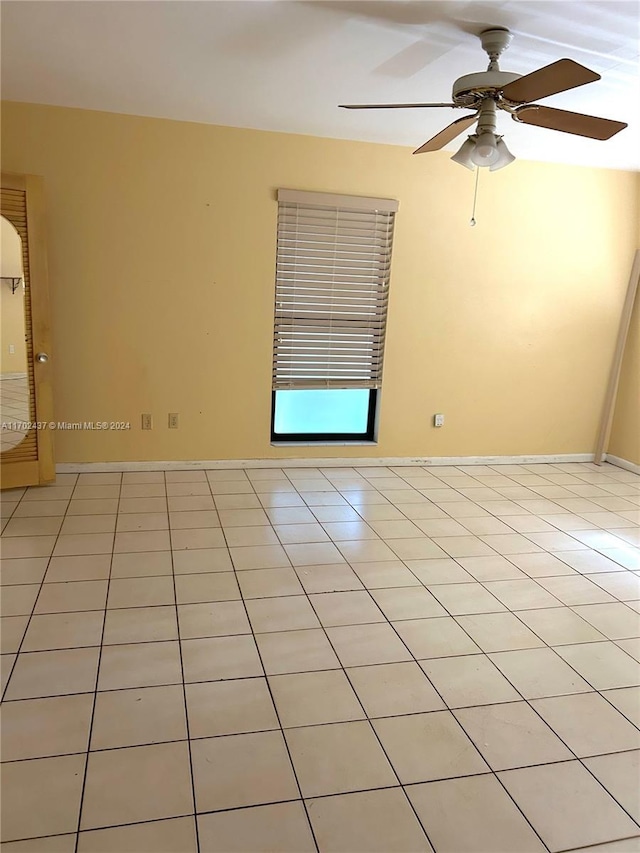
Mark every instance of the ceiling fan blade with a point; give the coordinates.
(390, 106)
(568, 122)
(557, 77)
(450, 132)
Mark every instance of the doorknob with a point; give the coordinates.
(42, 357)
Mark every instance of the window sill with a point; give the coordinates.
(323, 443)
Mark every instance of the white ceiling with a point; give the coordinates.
(285, 65)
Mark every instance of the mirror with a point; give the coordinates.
(14, 382)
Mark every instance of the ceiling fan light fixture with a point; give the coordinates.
(485, 151)
(463, 154)
(505, 157)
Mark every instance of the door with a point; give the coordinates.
(26, 400)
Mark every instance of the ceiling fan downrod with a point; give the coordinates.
(494, 43)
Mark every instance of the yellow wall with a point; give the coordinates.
(625, 432)
(162, 251)
(12, 329)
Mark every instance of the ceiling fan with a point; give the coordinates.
(486, 92)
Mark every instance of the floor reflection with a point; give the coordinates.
(14, 410)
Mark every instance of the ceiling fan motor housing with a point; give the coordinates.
(472, 88)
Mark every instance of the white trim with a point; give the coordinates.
(337, 462)
(622, 463)
(353, 202)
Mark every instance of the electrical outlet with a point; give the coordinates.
(173, 420)
(12, 349)
(147, 421)
(438, 420)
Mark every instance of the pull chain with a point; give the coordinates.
(475, 196)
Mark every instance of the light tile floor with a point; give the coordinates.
(345, 659)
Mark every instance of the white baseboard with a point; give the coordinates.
(333, 462)
(622, 463)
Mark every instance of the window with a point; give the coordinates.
(332, 288)
(324, 415)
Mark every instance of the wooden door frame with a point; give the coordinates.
(18, 473)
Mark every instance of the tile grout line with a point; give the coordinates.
(95, 692)
(273, 703)
(299, 672)
(366, 718)
(597, 847)
(184, 689)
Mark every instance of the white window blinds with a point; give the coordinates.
(332, 286)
